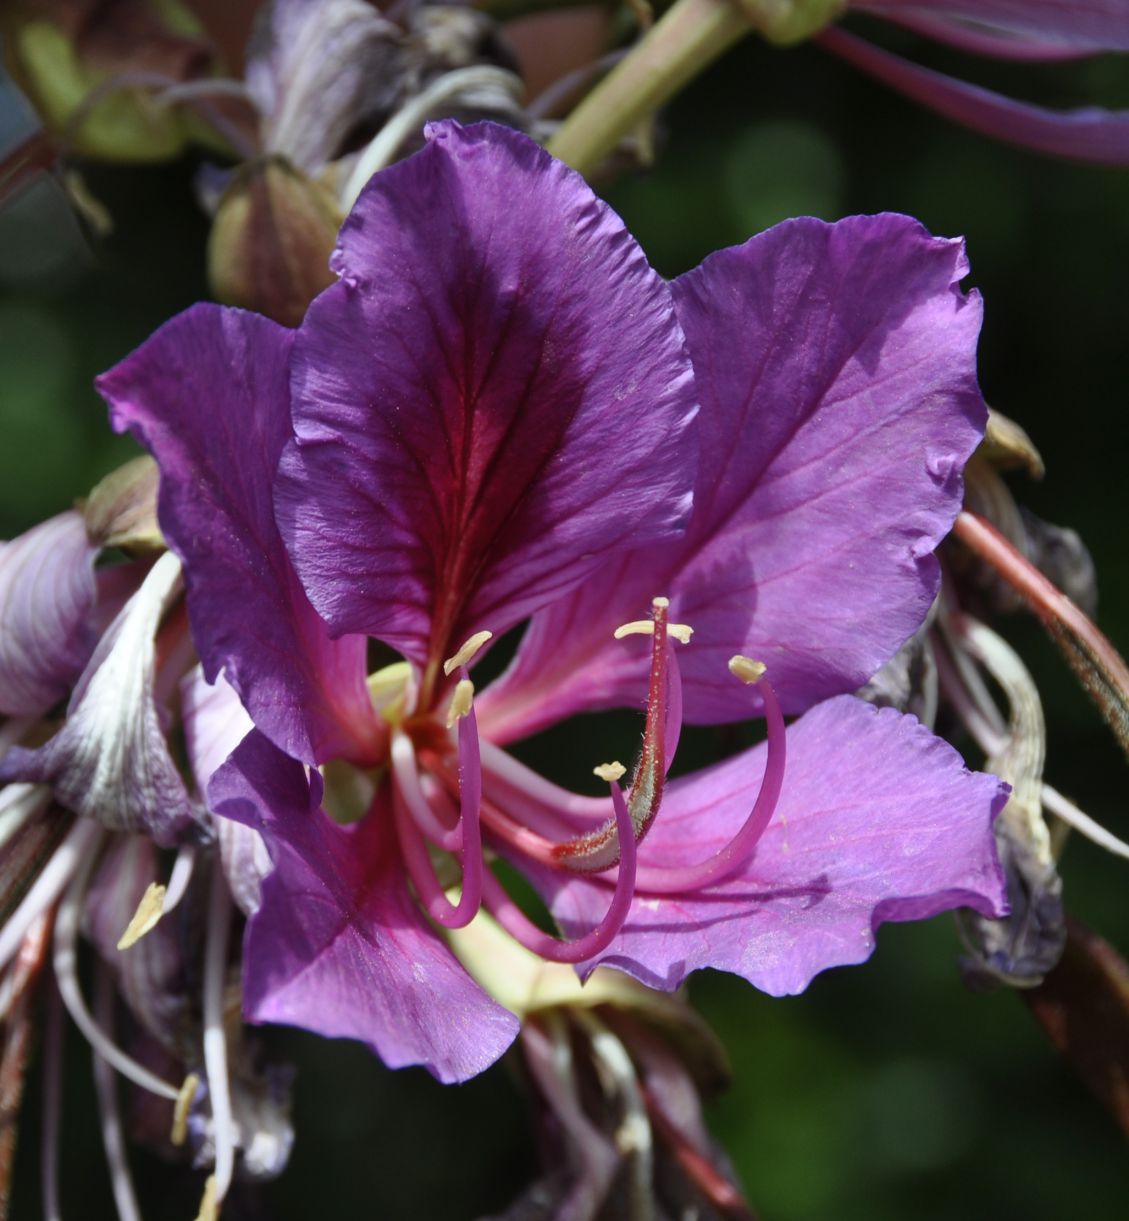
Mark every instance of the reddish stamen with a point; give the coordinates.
(523, 930)
(726, 861)
(466, 838)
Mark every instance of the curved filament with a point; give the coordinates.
(726, 861)
(466, 838)
(523, 930)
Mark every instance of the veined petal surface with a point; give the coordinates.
(110, 761)
(208, 394)
(47, 593)
(835, 364)
(494, 397)
(338, 945)
(878, 820)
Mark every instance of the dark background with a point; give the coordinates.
(887, 1091)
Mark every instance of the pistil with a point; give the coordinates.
(726, 861)
(601, 849)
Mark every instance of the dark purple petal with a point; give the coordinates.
(1090, 134)
(878, 821)
(339, 946)
(494, 397)
(111, 761)
(836, 370)
(47, 593)
(1088, 25)
(208, 395)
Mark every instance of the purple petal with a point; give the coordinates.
(1090, 134)
(208, 395)
(111, 761)
(836, 370)
(47, 593)
(878, 821)
(215, 722)
(1088, 25)
(339, 946)
(494, 397)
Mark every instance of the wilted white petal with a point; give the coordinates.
(314, 68)
(110, 761)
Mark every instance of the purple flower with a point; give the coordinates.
(500, 414)
(1029, 30)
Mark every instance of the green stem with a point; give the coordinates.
(688, 38)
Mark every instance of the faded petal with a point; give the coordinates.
(494, 397)
(47, 592)
(314, 68)
(339, 946)
(878, 820)
(1087, 134)
(110, 761)
(215, 722)
(836, 370)
(208, 395)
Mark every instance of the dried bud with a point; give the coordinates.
(122, 510)
(270, 245)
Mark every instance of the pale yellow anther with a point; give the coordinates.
(466, 653)
(747, 670)
(460, 701)
(660, 603)
(208, 1210)
(149, 912)
(188, 1090)
(610, 771)
(646, 627)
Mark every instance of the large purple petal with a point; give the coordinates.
(878, 820)
(1089, 134)
(47, 593)
(339, 946)
(111, 761)
(494, 397)
(208, 394)
(1089, 25)
(836, 370)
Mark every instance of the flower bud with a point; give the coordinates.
(271, 241)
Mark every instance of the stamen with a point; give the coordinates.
(52, 1106)
(52, 881)
(467, 836)
(600, 849)
(66, 975)
(179, 1133)
(524, 931)
(610, 771)
(215, 1041)
(461, 701)
(208, 1210)
(179, 878)
(726, 861)
(646, 627)
(113, 1141)
(466, 653)
(148, 914)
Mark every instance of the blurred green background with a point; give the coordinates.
(885, 1092)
